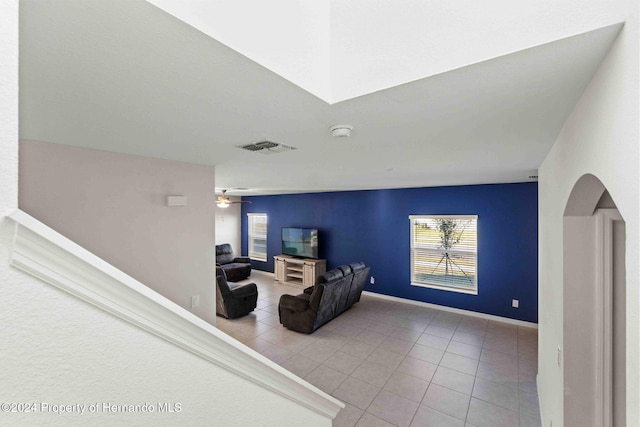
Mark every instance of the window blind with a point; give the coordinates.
(257, 236)
(444, 252)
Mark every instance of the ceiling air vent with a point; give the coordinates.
(266, 147)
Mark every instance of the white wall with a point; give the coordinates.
(374, 44)
(115, 206)
(339, 49)
(60, 350)
(600, 137)
(8, 121)
(228, 223)
(289, 37)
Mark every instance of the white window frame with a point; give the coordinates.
(251, 236)
(414, 249)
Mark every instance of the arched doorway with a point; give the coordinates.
(594, 307)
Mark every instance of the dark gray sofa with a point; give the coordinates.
(236, 268)
(336, 291)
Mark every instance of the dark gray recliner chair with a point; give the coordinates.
(236, 268)
(233, 301)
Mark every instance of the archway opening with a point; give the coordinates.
(594, 307)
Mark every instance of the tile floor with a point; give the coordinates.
(396, 364)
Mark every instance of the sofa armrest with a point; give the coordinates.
(308, 290)
(295, 304)
(244, 259)
(245, 291)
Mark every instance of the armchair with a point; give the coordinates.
(234, 301)
(236, 268)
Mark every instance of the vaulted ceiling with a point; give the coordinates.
(438, 94)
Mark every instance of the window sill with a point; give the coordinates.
(446, 288)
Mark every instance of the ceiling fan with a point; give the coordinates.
(223, 201)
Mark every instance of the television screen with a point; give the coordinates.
(300, 242)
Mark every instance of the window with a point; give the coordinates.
(258, 236)
(444, 252)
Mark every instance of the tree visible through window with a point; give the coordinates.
(257, 236)
(444, 252)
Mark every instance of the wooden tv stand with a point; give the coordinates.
(298, 271)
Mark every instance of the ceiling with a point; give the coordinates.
(128, 77)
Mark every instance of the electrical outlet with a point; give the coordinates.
(372, 280)
(515, 303)
(195, 301)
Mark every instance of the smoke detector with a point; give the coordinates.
(340, 131)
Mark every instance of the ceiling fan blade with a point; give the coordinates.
(225, 199)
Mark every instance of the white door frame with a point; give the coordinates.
(604, 314)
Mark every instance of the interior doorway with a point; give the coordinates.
(594, 295)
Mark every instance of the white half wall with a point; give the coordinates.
(601, 137)
(115, 206)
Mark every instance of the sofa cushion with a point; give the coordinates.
(343, 289)
(346, 270)
(331, 276)
(233, 266)
(294, 304)
(360, 275)
(357, 266)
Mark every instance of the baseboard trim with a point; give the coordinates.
(539, 401)
(49, 256)
(455, 310)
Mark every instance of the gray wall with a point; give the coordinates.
(115, 206)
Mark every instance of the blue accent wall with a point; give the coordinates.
(373, 226)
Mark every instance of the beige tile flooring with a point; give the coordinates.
(397, 364)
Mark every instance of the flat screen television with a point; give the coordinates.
(300, 242)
